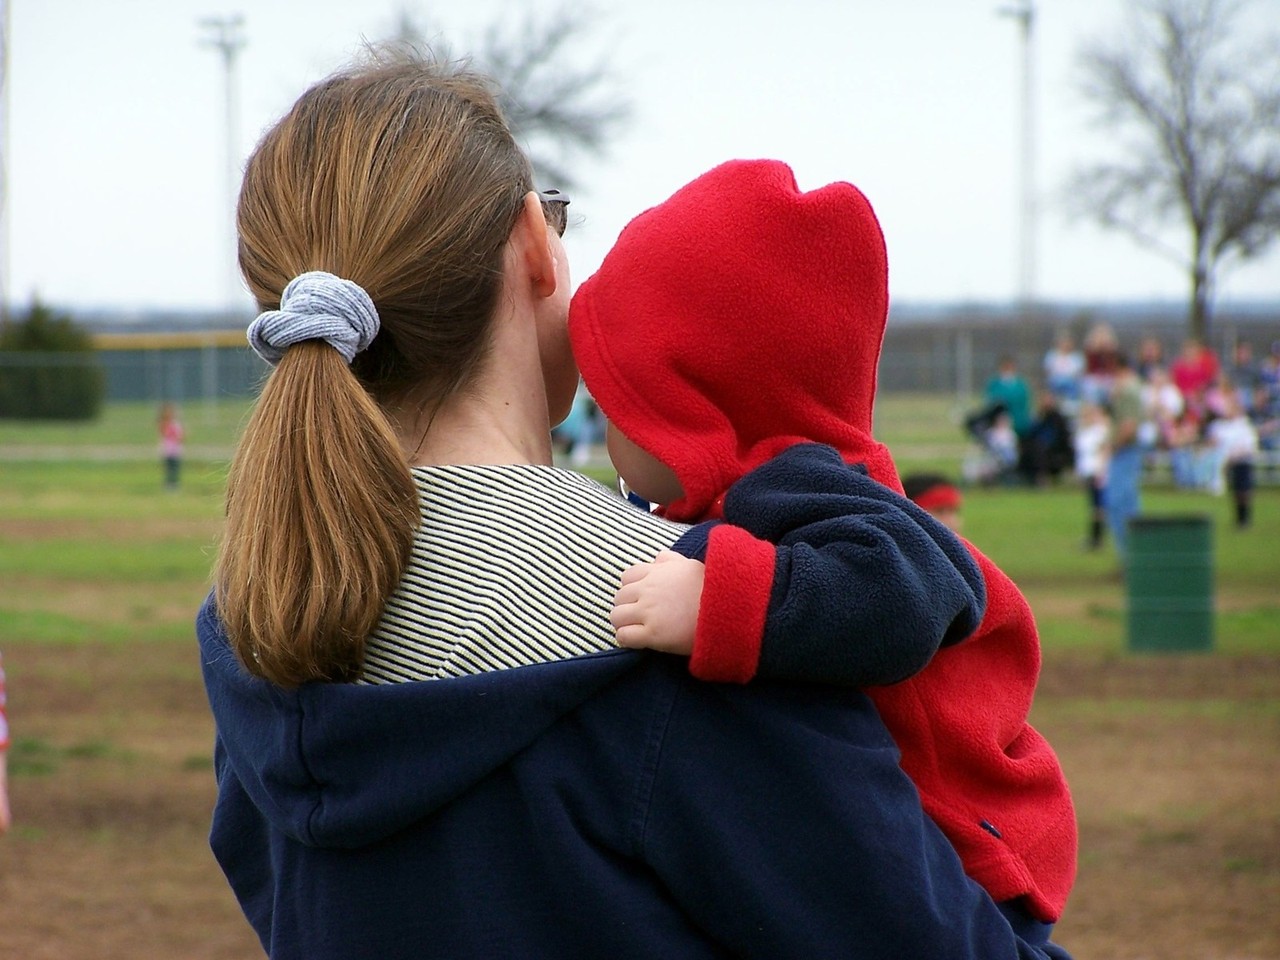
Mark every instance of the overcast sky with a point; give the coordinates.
(118, 196)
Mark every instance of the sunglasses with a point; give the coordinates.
(555, 208)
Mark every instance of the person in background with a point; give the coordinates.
(1008, 390)
(1002, 421)
(938, 495)
(5, 814)
(577, 432)
(1236, 441)
(1245, 371)
(1184, 437)
(171, 437)
(1150, 357)
(1124, 470)
(1162, 405)
(1063, 372)
(1269, 372)
(1265, 406)
(1046, 451)
(1101, 347)
(1194, 372)
(1002, 440)
(1092, 434)
(1264, 411)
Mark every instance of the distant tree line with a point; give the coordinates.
(48, 369)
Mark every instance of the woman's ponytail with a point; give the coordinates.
(321, 510)
(395, 183)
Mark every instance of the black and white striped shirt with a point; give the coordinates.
(512, 565)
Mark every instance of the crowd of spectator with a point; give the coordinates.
(1211, 421)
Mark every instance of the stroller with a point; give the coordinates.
(997, 456)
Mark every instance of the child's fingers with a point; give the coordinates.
(624, 614)
(628, 593)
(636, 572)
(666, 556)
(632, 636)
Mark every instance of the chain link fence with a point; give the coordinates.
(954, 358)
(156, 374)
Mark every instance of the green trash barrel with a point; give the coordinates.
(1170, 582)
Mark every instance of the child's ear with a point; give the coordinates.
(538, 257)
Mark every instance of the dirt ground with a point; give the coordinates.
(1174, 762)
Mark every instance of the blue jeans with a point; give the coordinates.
(1123, 475)
(1182, 464)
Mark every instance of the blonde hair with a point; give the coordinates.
(402, 176)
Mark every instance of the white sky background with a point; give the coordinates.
(118, 196)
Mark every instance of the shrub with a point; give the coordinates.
(48, 369)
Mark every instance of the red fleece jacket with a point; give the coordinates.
(742, 316)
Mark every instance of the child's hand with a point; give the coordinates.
(657, 605)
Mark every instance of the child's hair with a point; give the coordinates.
(916, 485)
(402, 176)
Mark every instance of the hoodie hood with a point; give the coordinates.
(735, 319)
(344, 765)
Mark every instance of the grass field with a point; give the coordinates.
(1174, 760)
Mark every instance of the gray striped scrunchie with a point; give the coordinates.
(316, 306)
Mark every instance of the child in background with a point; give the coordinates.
(1002, 441)
(936, 494)
(1092, 432)
(4, 756)
(1236, 440)
(171, 437)
(739, 324)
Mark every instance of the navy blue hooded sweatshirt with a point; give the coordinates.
(603, 806)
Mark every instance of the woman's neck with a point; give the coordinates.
(500, 418)
(481, 429)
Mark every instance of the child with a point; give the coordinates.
(1091, 466)
(938, 495)
(736, 325)
(1236, 440)
(171, 437)
(1002, 441)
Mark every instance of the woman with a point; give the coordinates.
(393, 513)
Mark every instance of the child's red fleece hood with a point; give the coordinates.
(735, 319)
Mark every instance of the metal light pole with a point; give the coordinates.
(1024, 12)
(226, 35)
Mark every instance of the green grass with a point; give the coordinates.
(118, 560)
(1040, 532)
(92, 490)
(929, 422)
(79, 529)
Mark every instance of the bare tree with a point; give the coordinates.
(558, 109)
(1194, 114)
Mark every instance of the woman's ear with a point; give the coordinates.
(538, 256)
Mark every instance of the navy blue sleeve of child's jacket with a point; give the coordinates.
(866, 585)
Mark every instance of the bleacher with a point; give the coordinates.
(1157, 471)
